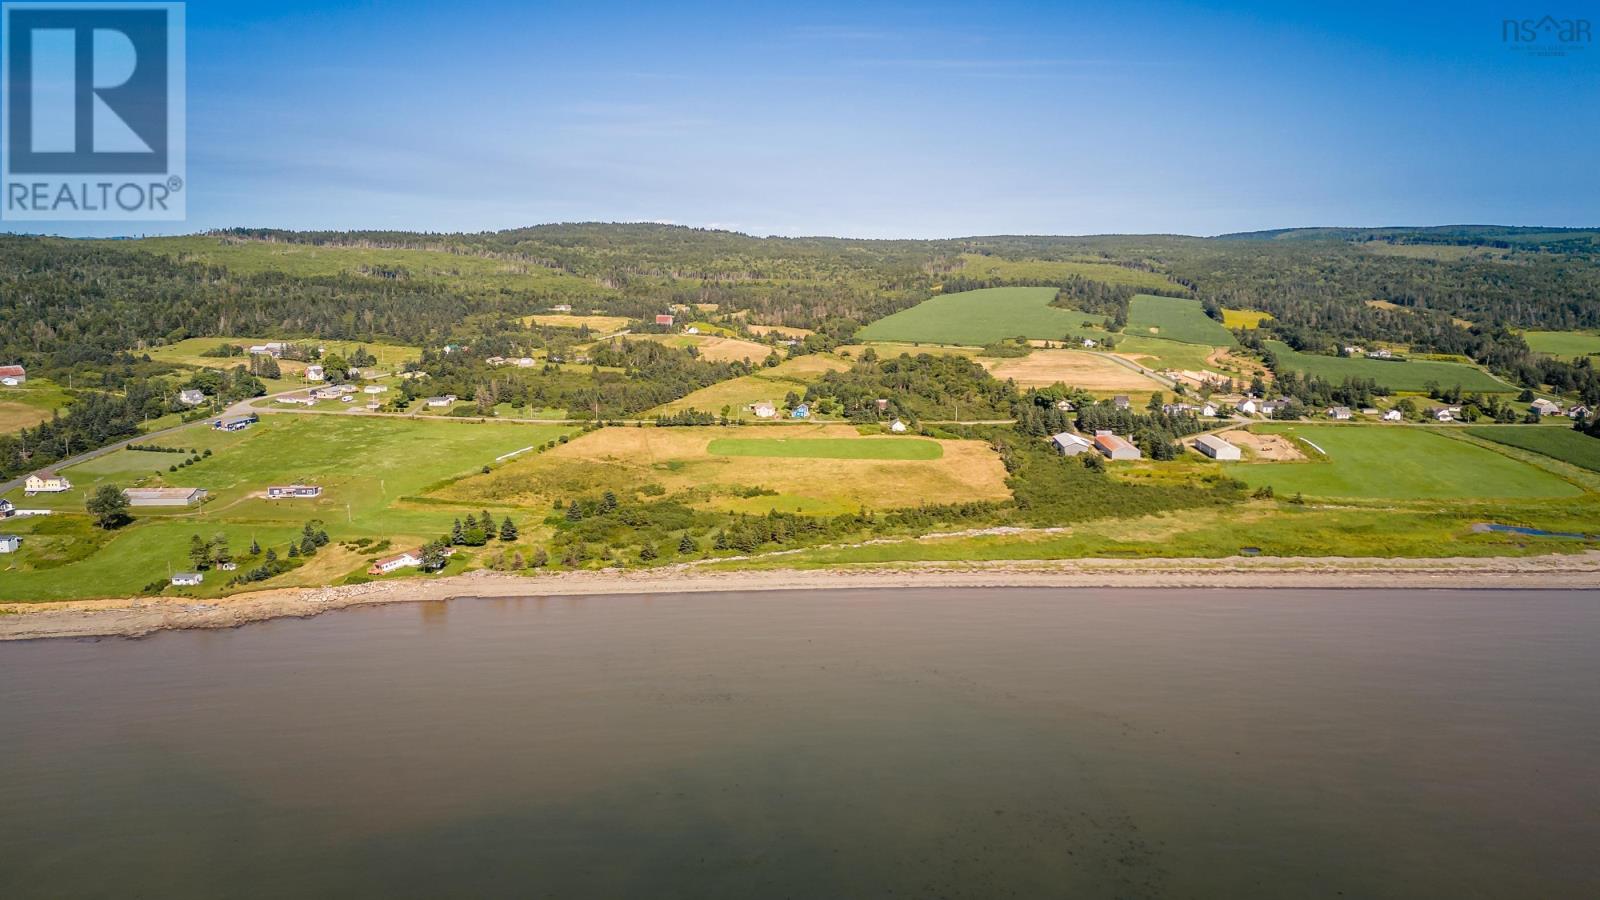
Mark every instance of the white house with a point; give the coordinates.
(375, 389)
(185, 579)
(191, 397)
(314, 373)
(293, 491)
(1546, 407)
(1069, 444)
(1064, 405)
(763, 409)
(10, 543)
(1393, 415)
(1380, 353)
(1088, 343)
(897, 426)
(7, 509)
(407, 560)
(1215, 447)
(1341, 413)
(12, 376)
(524, 362)
(1578, 411)
(446, 400)
(1209, 410)
(45, 482)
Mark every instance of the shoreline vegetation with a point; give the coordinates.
(137, 617)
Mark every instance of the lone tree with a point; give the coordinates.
(687, 544)
(199, 552)
(108, 505)
(508, 530)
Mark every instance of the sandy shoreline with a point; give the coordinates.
(141, 616)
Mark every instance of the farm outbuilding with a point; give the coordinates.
(1115, 447)
(1069, 444)
(178, 496)
(1216, 448)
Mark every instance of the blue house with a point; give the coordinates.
(800, 412)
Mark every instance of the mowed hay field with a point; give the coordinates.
(976, 265)
(1089, 371)
(792, 375)
(1563, 344)
(827, 448)
(981, 317)
(1406, 375)
(681, 463)
(1244, 318)
(29, 403)
(1410, 463)
(1554, 441)
(601, 324)
(1176, 319)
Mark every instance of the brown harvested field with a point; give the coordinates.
(1088, 371)
(602, 324)
(1264, 447)
(625, 460)
(784, 330)
(20, 415)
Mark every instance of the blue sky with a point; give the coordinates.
(871, 120)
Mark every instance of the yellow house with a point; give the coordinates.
(45, 482)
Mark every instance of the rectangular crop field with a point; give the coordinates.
(980, 317)
(681, 464)
(1408, 463)
(976, 265)
(1564, 444)
(1175, 319)
(827, 448)
(601, 324)
(1244, 318)
(1563, 344)
(1075, 368)
(1405, 375)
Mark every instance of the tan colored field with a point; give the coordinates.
(602, 324)
(1088, 371)
(626, 459)
(785, 330)
(20, 415)
(1264, 447)
(765, 384)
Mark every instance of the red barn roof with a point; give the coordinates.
(12, 371)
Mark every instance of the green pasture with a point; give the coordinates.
(1564, 344)
(1554, 441)
(981, 317)
(1175, 319)
(1403, 375)
(1409, 463)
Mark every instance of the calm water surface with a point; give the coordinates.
(951, 743)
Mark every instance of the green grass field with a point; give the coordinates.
(1564, 344)
(368, 468)
(1397, 464)
(29, 403)
(1564, 444)
(1175, 319)
(976, 265)
(827, 448)
(1408, 375)
(981, 317)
